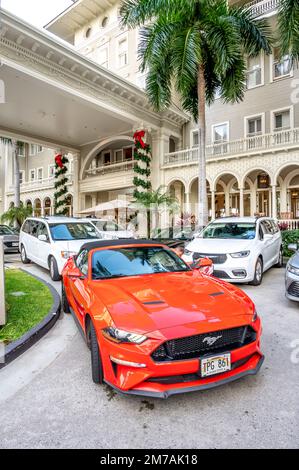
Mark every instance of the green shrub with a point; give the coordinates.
(289, 236)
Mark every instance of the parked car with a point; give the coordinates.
(110, 230)
(173, 236)
(50, 241)
(241, 248)
(10, 239)
(149, 320)
(292, 274)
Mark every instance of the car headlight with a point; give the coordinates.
(240, 254)
(121, 336)
(68, 254)
(293, 270)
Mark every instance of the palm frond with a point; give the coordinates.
(136, 12)
(288, 27)
(186, 57)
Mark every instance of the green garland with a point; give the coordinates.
(142, 181)
(60, 201)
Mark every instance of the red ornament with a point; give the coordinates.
(138, 137)
(58, 161)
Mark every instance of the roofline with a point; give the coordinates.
(60, 15)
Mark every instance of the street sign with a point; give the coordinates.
(2, 286)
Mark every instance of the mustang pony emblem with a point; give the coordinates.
(210, 340)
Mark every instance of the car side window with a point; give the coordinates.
(33, 228)
(82, 262)
(26, 227)
(267, 228)
(261, 232)
(42, 230)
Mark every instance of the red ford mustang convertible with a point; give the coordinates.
(154, 325)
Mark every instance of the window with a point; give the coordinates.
(105, 22)
(35, 149)
(82, 262)
(42, 230)
(22, 177)
(32, 175)
(21, 150)
(236, 230)
(88, 32)
(194, 138)
(220, 133)
(73, 231)
(123, 52)
(51, 171)
(128, 153)
(281, 65)
(282, 120)
(254, 71)
(118, 156)
(103, 56)
(254, 126)
(39, 174)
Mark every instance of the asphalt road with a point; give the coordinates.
(47, 398)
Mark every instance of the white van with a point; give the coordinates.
(50, 241)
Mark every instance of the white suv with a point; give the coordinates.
(50, 241)
(241, 248)
(110, 230)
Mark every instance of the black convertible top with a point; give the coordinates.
(120, 242)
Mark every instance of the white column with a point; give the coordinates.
(187, 207)
(241, 202)
(213, 204)
(160, 146)
(76, 198)
(274, 202)
(227, 203)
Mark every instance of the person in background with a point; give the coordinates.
(193, 223)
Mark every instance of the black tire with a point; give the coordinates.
(280, 259)
(24, 258)
(258, 273)
(64, 302)
(96, 362)
(54, 273)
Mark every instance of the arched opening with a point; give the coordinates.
(37, 208)
(227, 196)
(287, 193)
(47, 207)
(261, 194)
(69, 205)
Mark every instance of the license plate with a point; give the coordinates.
(215, 365)
(15, 244)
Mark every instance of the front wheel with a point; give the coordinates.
(96, 362)
(24, 258)
(279, 263)
(54, 273)
(258, 273)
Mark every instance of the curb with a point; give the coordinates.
(21, 345)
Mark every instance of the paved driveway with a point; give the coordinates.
(49, 399)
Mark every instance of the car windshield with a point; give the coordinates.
(106, 226)
(234, 230)
(4, 230)
(123, 262)
(73, 231)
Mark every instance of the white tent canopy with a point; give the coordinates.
(108, 206)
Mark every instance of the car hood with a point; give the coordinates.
(294, 261)
(152, 303)
(218, 245)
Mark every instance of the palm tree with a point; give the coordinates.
(16, 146)
(195, 48)
(16, 215)
(153, 202)
(288, 28)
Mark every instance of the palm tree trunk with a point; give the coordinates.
(17, 173)
(202, 185)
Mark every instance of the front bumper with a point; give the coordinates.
(292, 286)
(11, 249)
(195, 388)
(163, 379)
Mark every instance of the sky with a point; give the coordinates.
(36, 12)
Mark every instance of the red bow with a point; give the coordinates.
(138, 137)
(58, 161)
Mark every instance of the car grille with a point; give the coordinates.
(10, 244)
(196, 346)
(294, 289)
(221, 274)
(216, 258)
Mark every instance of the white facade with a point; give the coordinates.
(89, 100)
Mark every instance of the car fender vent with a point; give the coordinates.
(154, 302)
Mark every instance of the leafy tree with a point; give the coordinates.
(16, 215)
(288, 29)
(195, 48)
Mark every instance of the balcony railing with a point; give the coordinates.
(247, 146)
(111, 168)
(42, 183)
(263, 7)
